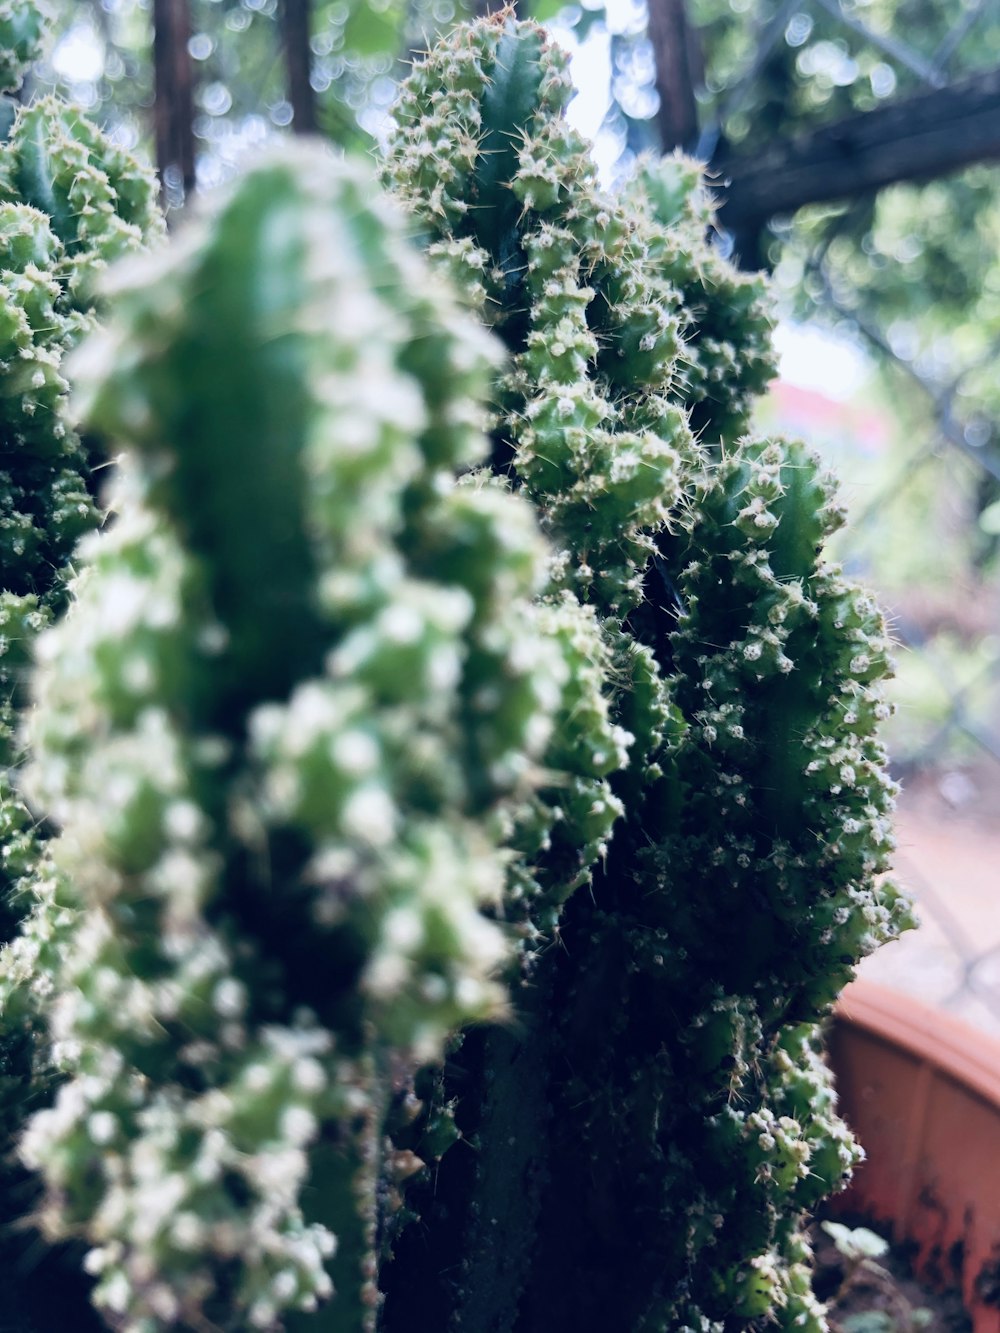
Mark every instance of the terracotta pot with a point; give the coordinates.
(922, 1092)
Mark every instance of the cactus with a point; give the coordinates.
(301, 679)
(679, 1118)
(70, 201)
(465, 819)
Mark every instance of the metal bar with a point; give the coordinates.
(913, 60)
(951, 927)
(940, 396)
(862, 517)
(953, 39)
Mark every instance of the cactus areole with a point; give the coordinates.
(464, 760)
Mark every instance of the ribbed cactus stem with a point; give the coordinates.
(302, 680)
(734, 882)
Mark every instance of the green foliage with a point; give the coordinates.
(908, 272)
(866, 1283)
(818, 67)
(366, 724)
(359, 48)
(856, 1243)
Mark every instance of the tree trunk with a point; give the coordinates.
(676, 65)
(173, 108)
(295, 32)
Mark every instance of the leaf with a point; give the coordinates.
(856, 1242)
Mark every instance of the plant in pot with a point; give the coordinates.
(464, 762)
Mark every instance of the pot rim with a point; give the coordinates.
(950, 1045)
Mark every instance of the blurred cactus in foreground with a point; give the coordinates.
(464, 821)
(261, 730)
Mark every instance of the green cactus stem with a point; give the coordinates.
(678, 1116)
(69, 201)
(261, 733)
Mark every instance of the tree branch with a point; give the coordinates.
(915, 139)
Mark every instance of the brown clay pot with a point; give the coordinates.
(921, 1090)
